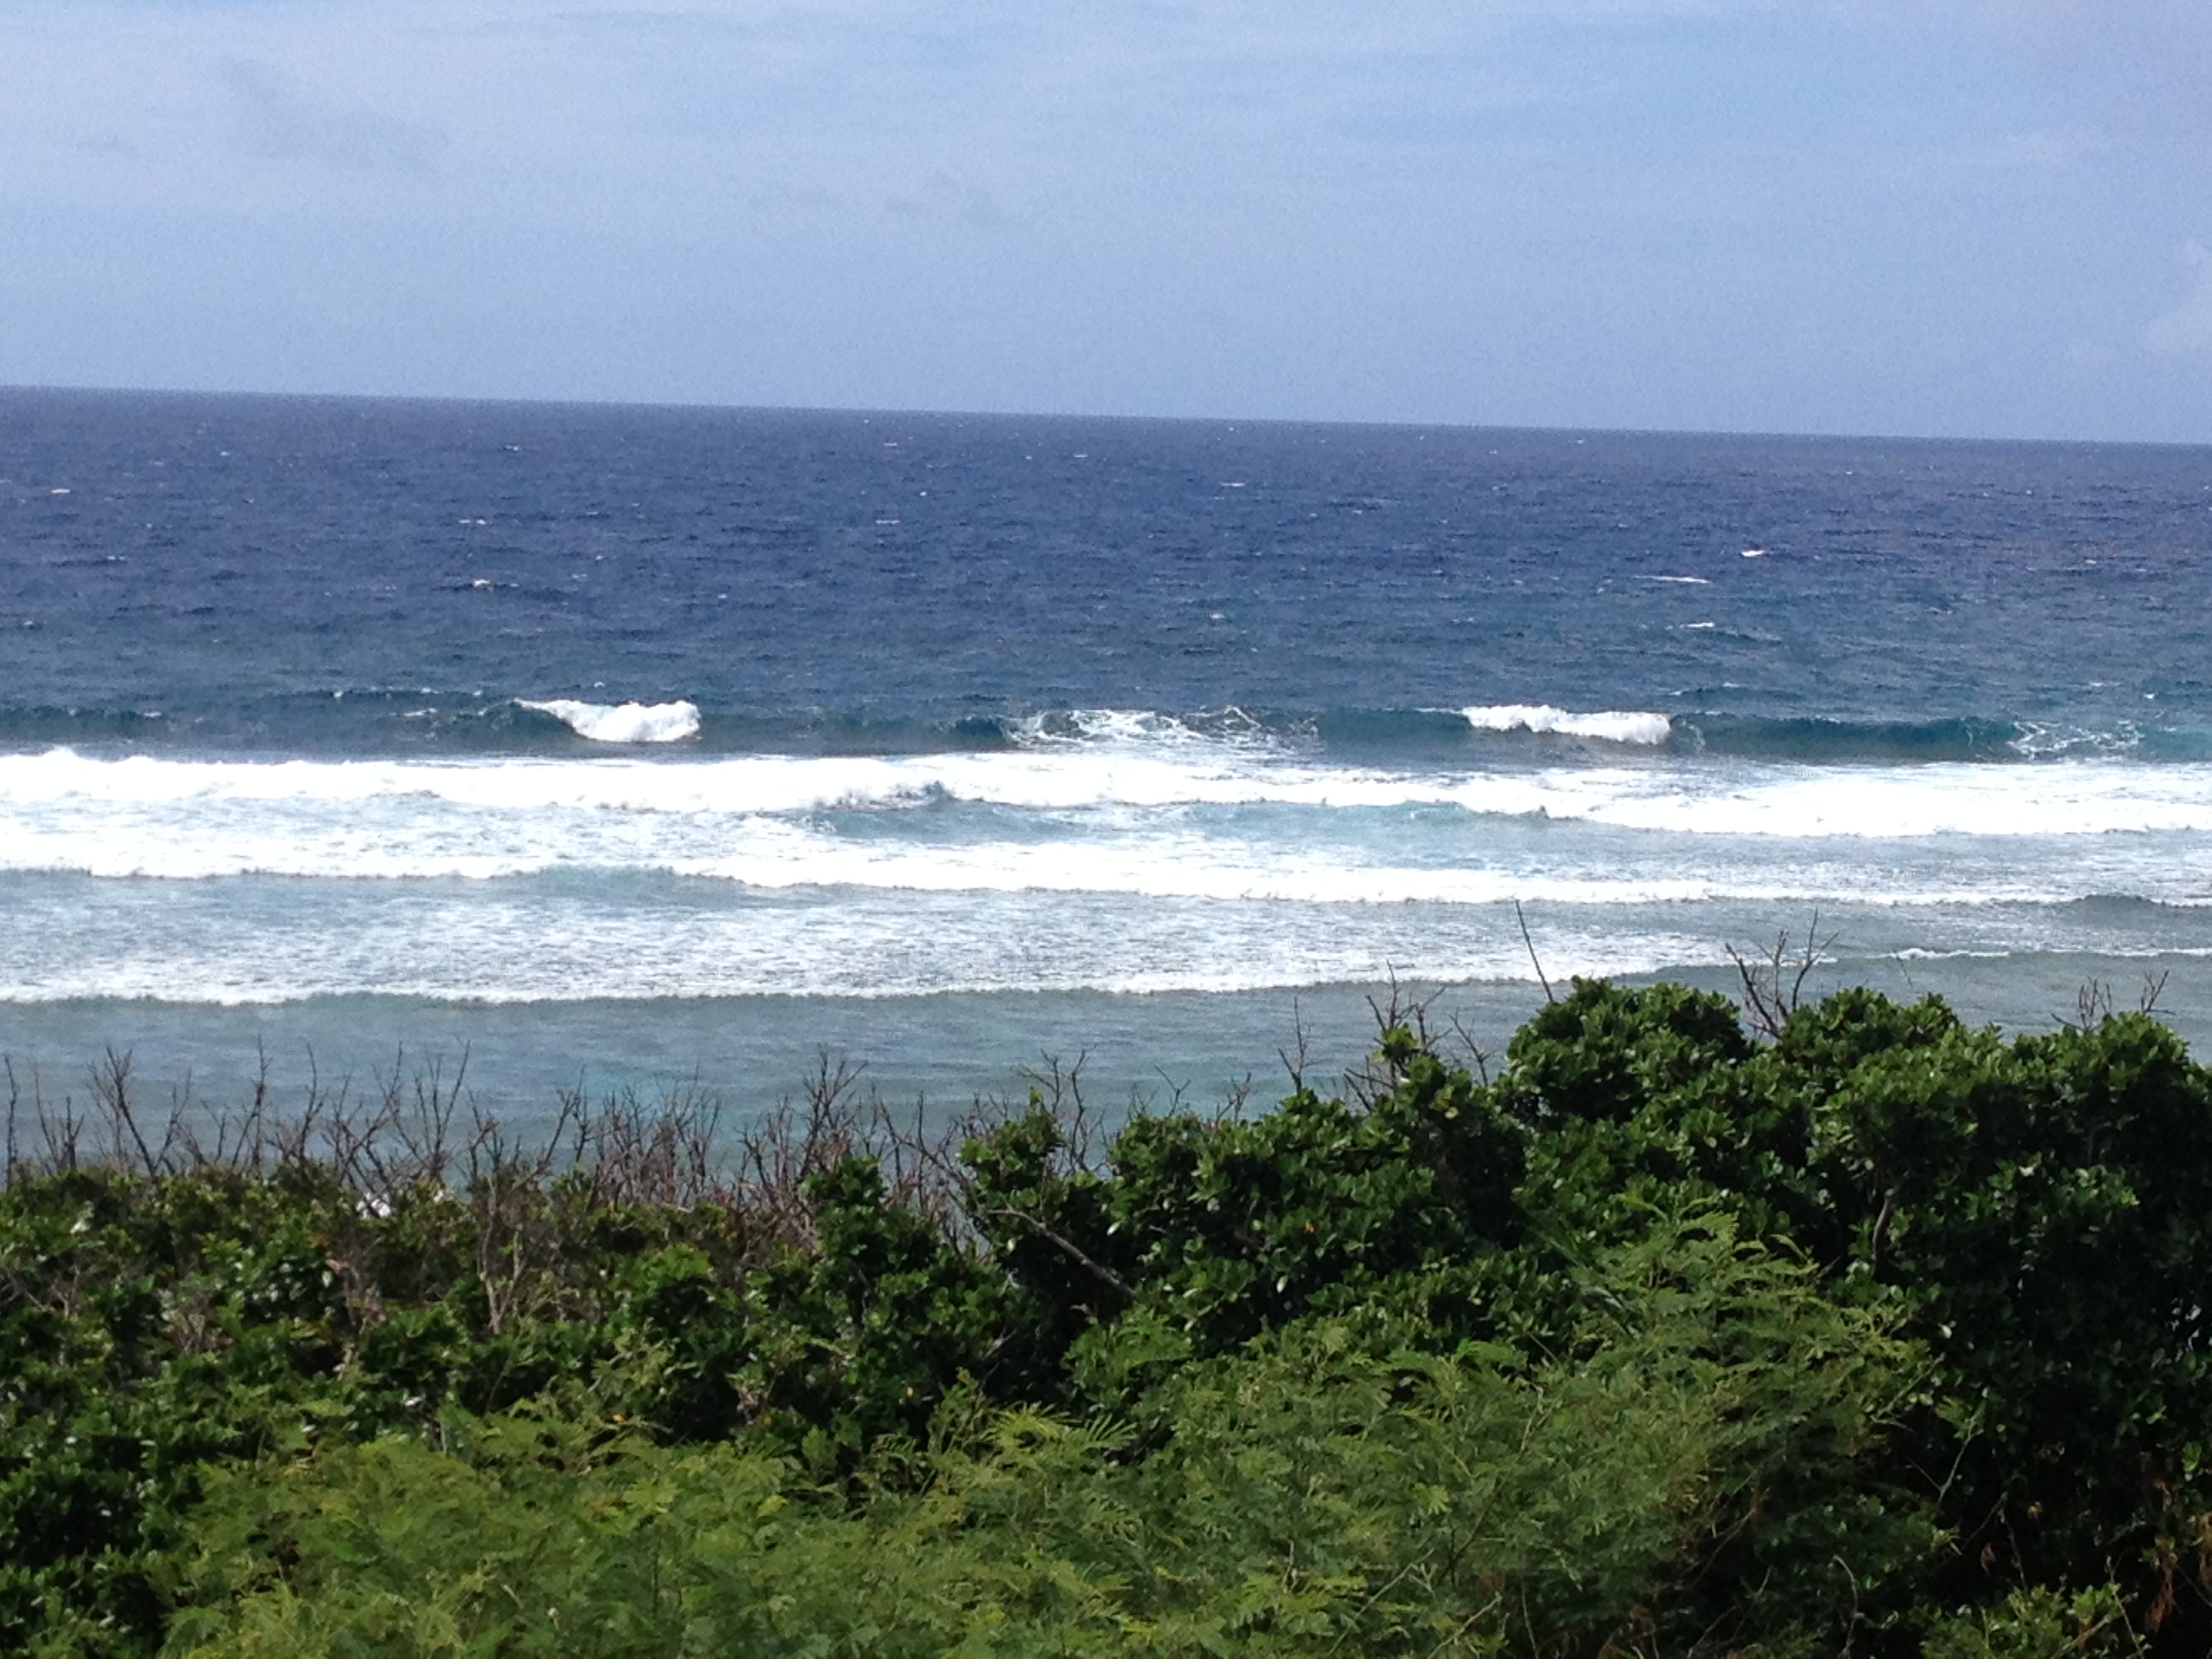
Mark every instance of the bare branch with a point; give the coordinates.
(1060, 1241)
(2153, 987)
(1295, 1057)
(1773, 985)
(1478, 1056)
(15, 1101)
(1541, 979)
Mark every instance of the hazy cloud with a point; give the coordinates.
(2187, 329)
(2050, 149)
(779, 198)
(2148, 61)
(272, 120)
(1872, 215)
(941, 196)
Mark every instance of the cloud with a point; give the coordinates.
(272, 120)
(2187, 329)
(2048, 148)
(2148, 61)
(941, 196)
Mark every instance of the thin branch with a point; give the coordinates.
(1061, 1241)
(1541, 978)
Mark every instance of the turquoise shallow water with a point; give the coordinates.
(748, 1053)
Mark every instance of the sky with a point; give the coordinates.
(1941, 217)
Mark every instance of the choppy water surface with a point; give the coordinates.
(631, 743)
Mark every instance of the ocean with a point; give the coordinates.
(601, 747)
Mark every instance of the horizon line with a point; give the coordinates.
(9, 388)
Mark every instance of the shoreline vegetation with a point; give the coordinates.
(1684, 1327)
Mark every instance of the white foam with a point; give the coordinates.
(1921, 953)
(1135, 862)
(1908, 803)
(2040, 740)
(1142, 729)
(1155, 861)
(1050, 777)
(1608, 726)
(526, 949)
(62, 793)
(623, 722)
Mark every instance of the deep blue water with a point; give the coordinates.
(1082, 732)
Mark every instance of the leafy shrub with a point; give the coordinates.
(1880, 1332)
(1310, 1496)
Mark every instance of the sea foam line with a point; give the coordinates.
(1168, 857)
(794, 953)
(59, 793)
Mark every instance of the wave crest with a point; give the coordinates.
(622, 722)
(1606, 726)
(1138, 728)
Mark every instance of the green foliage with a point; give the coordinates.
(1884, 1335)
(2042, 1207)
(2046, 1207)
(1311, 1497)
(1225, 1228)
(1632, 1094)
(2039, 1623)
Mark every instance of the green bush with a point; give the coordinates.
(1309, 1495)
(1883, 1335)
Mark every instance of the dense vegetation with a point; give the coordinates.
(1863, 1332)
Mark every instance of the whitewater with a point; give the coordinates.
(1030, 820)
(626, 746)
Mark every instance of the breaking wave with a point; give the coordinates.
(622, 722)
(389, 721)
(1607, 725)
